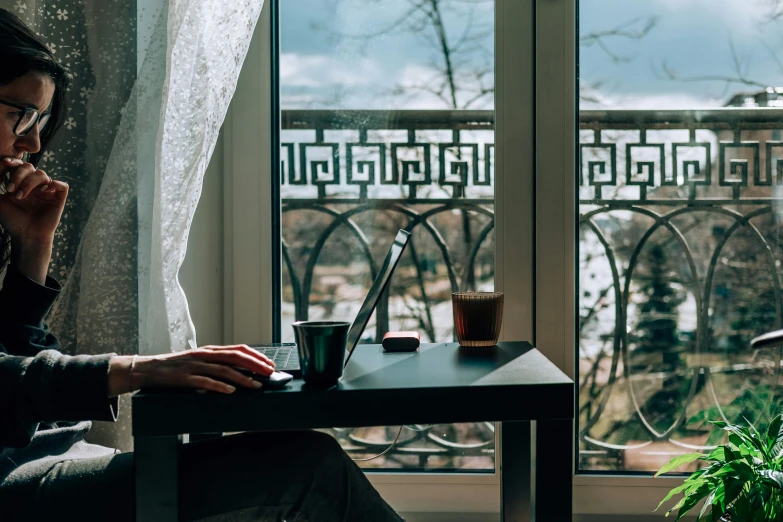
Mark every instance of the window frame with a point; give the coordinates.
(535, 220)
(556, 223)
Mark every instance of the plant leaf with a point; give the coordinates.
(741, 509)
(759, 492)
(719, 453)
(718, 500)
(676, 462)
(777, 447)
(754, 433)
(774, 433)
(741, 431)
(733, 491)
(679, 489)
(699, 493)
(708, 503)
(741, 434)
(736, 468)
(773, 478)
(693, 487)
(687, 503)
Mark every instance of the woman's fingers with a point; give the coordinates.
(54, 190)
(34, 181)
(17, 173)
(232, 358)
(205, 383)
(10, 163)
(223, 373)
(244, 349)
(24, 178)
(255, 353)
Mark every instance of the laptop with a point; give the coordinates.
(286, 355)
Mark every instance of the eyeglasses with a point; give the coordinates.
(27, 119)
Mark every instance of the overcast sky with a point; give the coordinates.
(326, 63)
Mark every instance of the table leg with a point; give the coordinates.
(515, 484)
(554, 470)
(155, 461)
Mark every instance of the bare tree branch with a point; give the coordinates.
(398, 23)
(775, 10)
(457, 81)
(440, 30)
(773, 54)
(740, 62)
(626, 31)
(453, 81)
(740, 67)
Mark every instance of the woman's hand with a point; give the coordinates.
(30, 211)
(207, 368)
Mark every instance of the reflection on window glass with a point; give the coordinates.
(680, 165)
(376, 136)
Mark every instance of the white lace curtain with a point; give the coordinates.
(189, 63)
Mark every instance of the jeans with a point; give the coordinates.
(286, 476)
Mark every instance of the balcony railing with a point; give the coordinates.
(691, 192)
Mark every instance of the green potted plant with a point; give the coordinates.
(743, 481)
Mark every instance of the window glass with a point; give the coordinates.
(680, 170)
(388, 123)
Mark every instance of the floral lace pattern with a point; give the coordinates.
(206, 46)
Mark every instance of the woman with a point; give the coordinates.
(47, 471)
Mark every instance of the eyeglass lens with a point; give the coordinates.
(28, 121)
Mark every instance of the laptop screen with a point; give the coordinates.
(378, 286)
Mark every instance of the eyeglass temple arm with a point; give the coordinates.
(768, 340)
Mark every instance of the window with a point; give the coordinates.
(653, 172)
(387, 122)
(679, 167)
(250, 278)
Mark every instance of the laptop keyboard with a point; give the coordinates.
(283, 356)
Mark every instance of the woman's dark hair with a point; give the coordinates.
(21, 52)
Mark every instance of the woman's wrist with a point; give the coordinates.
(119, 372)
(31, 257)
(124, 374)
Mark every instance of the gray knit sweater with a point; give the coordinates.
(45, 396)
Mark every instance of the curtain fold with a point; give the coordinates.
(153, 176)
(206, 46)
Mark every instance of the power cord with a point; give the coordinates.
(384, 452)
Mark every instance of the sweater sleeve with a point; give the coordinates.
(23, 306)
(51, 387)
(37, 383)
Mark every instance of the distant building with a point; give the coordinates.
(770, 97)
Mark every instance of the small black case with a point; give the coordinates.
(401, 341)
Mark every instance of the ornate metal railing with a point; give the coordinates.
(350, 179)
(354, 172)
(680, 268)
(708, 179)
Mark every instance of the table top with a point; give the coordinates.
(441, 383)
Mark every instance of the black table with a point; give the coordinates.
(512, 383)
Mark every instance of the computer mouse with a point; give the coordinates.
(274, 381)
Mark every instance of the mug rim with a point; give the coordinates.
(462, 294)
(320, 323)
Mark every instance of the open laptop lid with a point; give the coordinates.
(378, 286)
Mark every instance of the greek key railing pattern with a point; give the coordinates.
(689, 192)
(678, 222)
